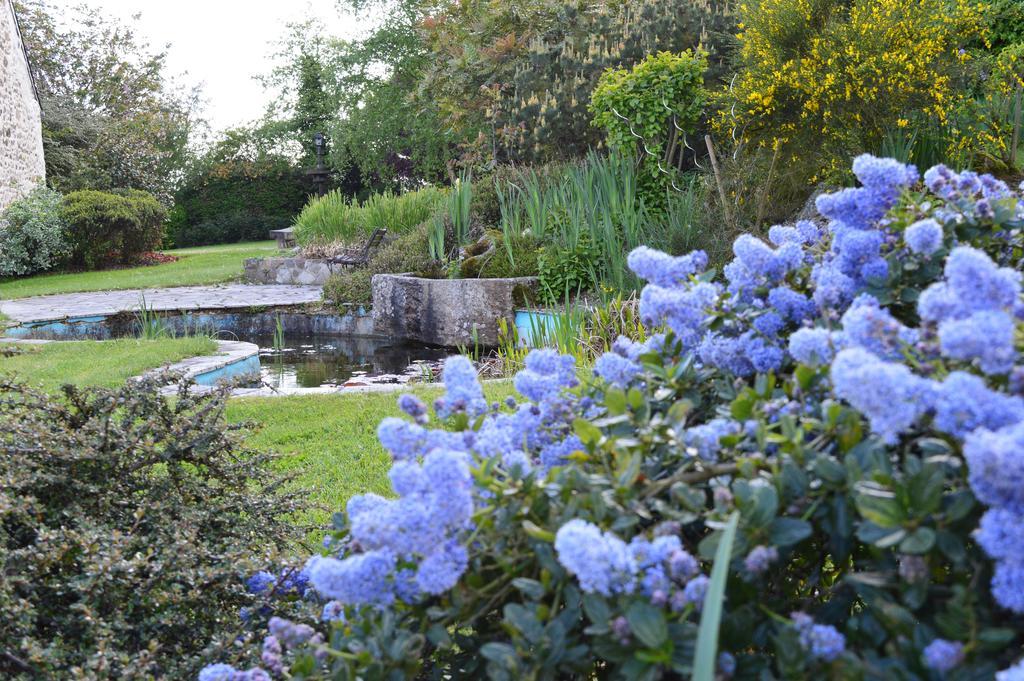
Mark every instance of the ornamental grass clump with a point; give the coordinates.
(815, 472)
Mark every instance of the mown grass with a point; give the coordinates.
(196, 266)
(104, 364)
(329, 442)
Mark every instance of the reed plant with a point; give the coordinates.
(450, 228)
(592, 205)
(335, 218)
(583, 331)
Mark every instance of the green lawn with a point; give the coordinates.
(98, 363)
(203, 265)
(330, 441)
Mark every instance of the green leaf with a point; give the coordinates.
(882, 537)
(711, 616)
(804, 376)
(829, 469)
(742, 407)
(764, 504)
(648, 624)
(789, 531)
(536, 532)
(919, 541)
(524, 620)
(597, 609)
(530, 587)
(615, 401)
(587, 432)
(437, 634)
(500, 653)
(880, 507)
(996, 639)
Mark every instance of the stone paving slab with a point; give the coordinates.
(103, 303)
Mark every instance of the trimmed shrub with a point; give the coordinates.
(815, 473)
(237, 200)
(123, 515)
(106, 228)
(33, 236)
(227, 229)
(659, 98)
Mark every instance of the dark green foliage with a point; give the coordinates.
(105, 228)
(231, 228)
(124, 516)
(566, 271)
(349, 288)
(501, 259)
(1006, 23)
(230, 200)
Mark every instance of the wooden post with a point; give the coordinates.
(718, 180)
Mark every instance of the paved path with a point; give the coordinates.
(97, 303)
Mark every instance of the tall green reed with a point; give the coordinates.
(592, 204)
(585, 332)
(334, 218)
(456, 219)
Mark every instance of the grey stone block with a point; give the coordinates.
(301, 271)
(448, 312)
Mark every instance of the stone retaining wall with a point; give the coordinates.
(21, 134)
(304, 271)
(449, 312)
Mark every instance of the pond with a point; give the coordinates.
(311, 363)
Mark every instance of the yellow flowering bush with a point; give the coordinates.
(820, 79)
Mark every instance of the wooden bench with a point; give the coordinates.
(362, 257)
(285, 237)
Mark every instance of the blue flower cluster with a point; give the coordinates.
(855, 257)
(821, 641)
(966, 187)
(1014, 673)
(997, 478)
(943, 656)
(660, 568)
(973, 309)
(412, 546)
(417, 532)
(621, 366)
(744, 327)
(924, 237)
(892, 396)
(225, 672)
(463, 393)
(760, 559)
(706, 438)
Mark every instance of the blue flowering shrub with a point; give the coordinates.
(840, 412)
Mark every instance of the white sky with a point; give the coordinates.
(222, 44)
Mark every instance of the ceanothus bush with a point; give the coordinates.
(849, 398)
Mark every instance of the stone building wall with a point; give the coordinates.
(21, 137)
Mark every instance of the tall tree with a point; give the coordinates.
(111, 117)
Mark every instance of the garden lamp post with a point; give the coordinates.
(320, 173)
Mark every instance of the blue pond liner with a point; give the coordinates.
(529, 320)
(243, 367)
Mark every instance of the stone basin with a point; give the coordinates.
(449, 312)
